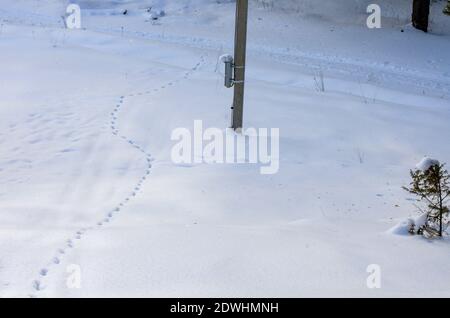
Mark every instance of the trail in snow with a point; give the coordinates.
(358, 69)
(38, 283)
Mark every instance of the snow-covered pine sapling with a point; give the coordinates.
(431, 184)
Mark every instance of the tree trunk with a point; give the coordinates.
(441, 207)
(421, 12)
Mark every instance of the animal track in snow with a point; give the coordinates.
(37, 285)
(114, 117)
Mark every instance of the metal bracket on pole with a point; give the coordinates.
(229, 72)
(234, 79)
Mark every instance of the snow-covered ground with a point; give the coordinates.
(86, 176)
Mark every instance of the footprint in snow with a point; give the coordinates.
(37, 285)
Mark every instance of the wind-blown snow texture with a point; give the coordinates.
(86, 176)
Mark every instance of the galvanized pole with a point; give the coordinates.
(240, 44)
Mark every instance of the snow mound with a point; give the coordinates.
(403, 227)
(155, 14)
(426, 163)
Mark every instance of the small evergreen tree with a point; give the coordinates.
(431, 183)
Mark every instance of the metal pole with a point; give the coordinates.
(240, 44)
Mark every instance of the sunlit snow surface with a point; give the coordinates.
(86, 176)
